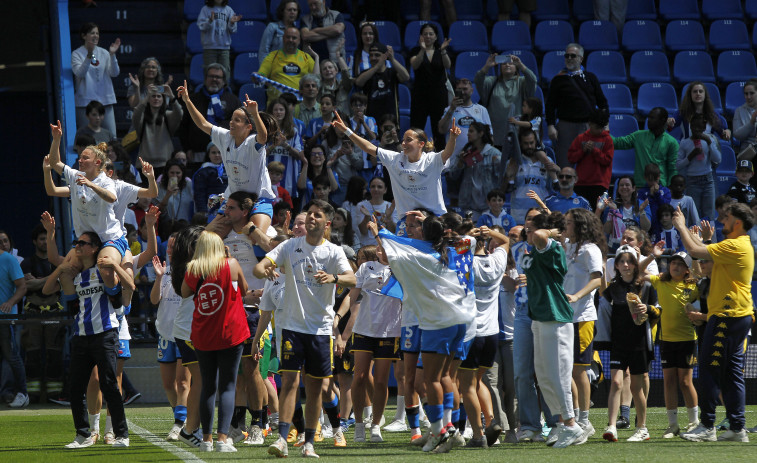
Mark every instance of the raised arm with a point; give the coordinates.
(197, 118)
(402, 74)
(359, 141)
(54, 156)
(48, 221)
(50, 188)
(152, 190)
(262, 132)
(454, 132)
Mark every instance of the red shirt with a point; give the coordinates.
(595, 167)
(219, 320)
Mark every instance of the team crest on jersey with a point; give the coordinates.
(287, 347)
(575, 200)
(210, 299)
(236, 170)
(309, 268)
(411, 178)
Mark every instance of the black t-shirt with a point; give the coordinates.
(625, 334)
(381, 91)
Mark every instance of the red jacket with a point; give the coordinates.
(595, 167)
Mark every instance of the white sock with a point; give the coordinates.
(436, 427)
(399, 415)
(320, 418)
(583, 416)
(447, 416)
(576, 412)
(367, 411)
(672, 417)
(108, 424)
(693, 413)
(94, 423)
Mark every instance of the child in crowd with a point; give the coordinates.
(321, 190)
(696, 156)
(530, 118)
(592, 152)
(341, 229)
(366, 127)
(496, 215)
(686, 203)
(741, 190)
(280, 211)
(276, 173)
(376, 207)
(316, 130)
(217, 22)
(668, 234)
(95, 114)
(720, 203)
(655, 192)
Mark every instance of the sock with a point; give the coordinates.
(399, 415)
(264, 417)
(625, 412)
(284, 429)
(94, 423)
(462, 418)
(299, 420)
(455, 418)
(693, 413)
(332, 410)
(108, 424)
(446, 416)
(180, 414)
(256, 418)
(309, 435)
(435, 414)
(672, 417)
(448, 404)
(583, 416)
(239, 411)
(413, 417)
(367, 411)
(576, 411)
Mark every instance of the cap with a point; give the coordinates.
(378, 46)
(745, 164)
(628, 249)
(682, 255)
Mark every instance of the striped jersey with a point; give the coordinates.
(96, 314)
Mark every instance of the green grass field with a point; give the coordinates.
(39, 433)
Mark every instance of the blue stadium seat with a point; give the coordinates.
(244, 65)
(413, 33)
(122, 16)
(685, 34)
(252, 11)
(469, 10)
(689, 66)
(404, 99)
(656, 94)
(553, 35)
(735, 66)
(729, 34)
(192, 9)
(468, 63)
(725, 174)
(528, 59)
(750, 10)
(389, 34)
(350, 38)
(609, 66)
(194, 42)
(548, 10)
(642, 35)
(714, 93)
(622, 124)
(167, 48)
(256, 93)
(649, 66)
(552, 63)
(468, 36)
(623, 163)
(679, 9)
(734, 97)
(598, 35)
(410, 11)
(641, 9)
(404, 123)
(722, 9)
(583, 10)
(511, 35)
(248, 36)
(196, 73)
(619, 98)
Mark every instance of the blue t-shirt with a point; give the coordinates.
(504, 220)
(10, 271)
(558, 202)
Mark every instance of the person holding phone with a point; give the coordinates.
(175, 193)
(156, 122)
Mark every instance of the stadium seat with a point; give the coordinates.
(725, 174)
(750, 9)
(642, 35)
(468, 63)
(350, 38)
(528, 59)
(734, 97)
(622, 124)
(413, 33)
(468, 36)
(685, 34)
(689, 66)
(404, 123)
(553, 62)
(469, 10)
(714, 93)
(649, 66)
(194, 42)
(722, 9)
(166, 47)
(252, 11)
(511, 35)
(623, 163)
(553, 35)
(196, 73)
(255, 92)
(124, 17)
(598, 35)
(244, 65)
(248, 36)
(618, 98)
(735, 66)
(729, 34)
(192, 9)
(410, 11)
(656, 94)
(404, 99)
(641, 9)
(609, 66)
(679, 9)
(548, 10)
(583, 10)
(389, 34)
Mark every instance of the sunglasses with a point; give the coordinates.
(75, 243)
(571, 55)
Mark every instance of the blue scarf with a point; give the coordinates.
(579, 73)
(215, 110)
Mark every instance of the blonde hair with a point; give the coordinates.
(209, 255)
(100, 151)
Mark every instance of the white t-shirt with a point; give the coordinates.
(379, 315)
(245, 164)
(507, 309)
(242, 249)
(414, 184)
(378, 211)
(308, 306)
(168, 307)
(182, 325)
(273, 294)
(91, 212)
(489, 271)
(126, 194)
(464, 117)
(580, 267)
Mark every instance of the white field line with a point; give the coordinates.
(159, 442)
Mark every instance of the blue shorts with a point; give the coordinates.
(462, 351)
(120, 244)
(187, 350)
(123, 349)
(168, 352)
(263, 206)
(410, 339)
(444, 341)
(314, 351)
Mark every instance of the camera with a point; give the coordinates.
(501, 59)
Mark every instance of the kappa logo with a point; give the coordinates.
(298, 250)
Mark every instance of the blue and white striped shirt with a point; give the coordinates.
(96, 314)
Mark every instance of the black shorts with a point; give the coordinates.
(681, 354)
(381, 348)
(583, 343)
(481, 353)
(637, 361)
(187, 350)
(345, 365)
(314, 351)
(253, 316)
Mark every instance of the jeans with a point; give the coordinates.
(223, 366)
(701, 188)
(500, 381)
(9, 352)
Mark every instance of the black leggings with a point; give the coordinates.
(223, 365)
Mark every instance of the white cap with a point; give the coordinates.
(627, 248)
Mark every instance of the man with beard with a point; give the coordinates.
(567, 199)
(323, 30)
(216, 102)
(532, 174)
(288, 65)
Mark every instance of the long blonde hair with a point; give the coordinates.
(209, 255)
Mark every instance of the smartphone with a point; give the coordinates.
(173, 182)
(459, 94)
(501, 59)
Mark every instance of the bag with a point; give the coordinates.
(130, 142)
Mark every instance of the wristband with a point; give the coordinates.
(252, 230)
(336, 278)
(349, 133)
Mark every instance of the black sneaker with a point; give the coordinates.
(478, 442)
(192, 440)
(492, 433)
(130, 398)
(623, 423)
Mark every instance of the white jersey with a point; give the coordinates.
(91, 212)
(96, 314)
(377, 211)
(245, 164)
(308, 306)
(489, 271)
(414, 184)
(126, 194)
(123, 330)
(532, 175)
(168, 307)
(182, 324)
(379, 315)
(580, 267)
(464, 117)
(273, 294)
(242, 249)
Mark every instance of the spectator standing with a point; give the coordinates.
(479, 161)
(532, 174)
(175, 193)
(156, 123)
(525, 7)
(379, 82)
(592, 153)
(288, 12)
(339, 87)
(745, 119)
(696, 155)
(323, 30)
(367, 35)
(12, 290)
(149, 73)
(309, 108)
(611, 10)
(95, 114)
(217, 22)
(287, 146)
(695, 101)
(288, 64)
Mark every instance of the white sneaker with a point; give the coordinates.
(554, 433)
(396, 426)
(588, 430)
(468, 433)
(109, 438)
(359, 432)
(236, 434)
(701, 434)
(641, 435)
(308, 451)
(435, 440)
(173, 434)
(672, 431)
(732, 436)
(279, 448)
(376, 434)
(225, 447)
(121, 442)
(610, 434)
(568, 435)
(527, 435)
(255, 437)
(455, 438)
(206, 446)
(81, 442)
(327, 431)
(20, 401)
